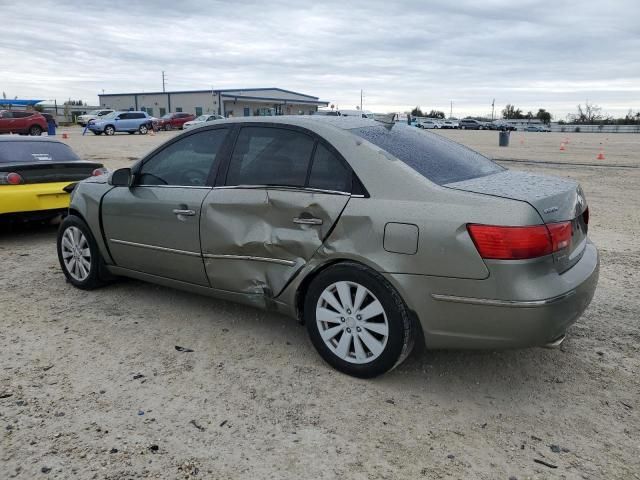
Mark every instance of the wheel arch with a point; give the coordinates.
(303, 286)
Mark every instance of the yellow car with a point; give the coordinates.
(36, 176)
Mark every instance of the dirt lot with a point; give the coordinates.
(91, 385)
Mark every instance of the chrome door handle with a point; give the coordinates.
(307, 220)
(186, 213)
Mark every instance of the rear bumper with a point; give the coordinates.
(452, 315)
(33, 197)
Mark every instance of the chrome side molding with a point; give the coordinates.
(279, 261)
(502, 303)
(155, 247)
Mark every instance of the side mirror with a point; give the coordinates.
(121, 178)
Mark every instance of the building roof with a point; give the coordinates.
(209, 90)
(8, 101)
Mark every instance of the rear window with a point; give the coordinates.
(24, 151)
(433, 156)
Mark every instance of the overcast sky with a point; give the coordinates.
(532, 54)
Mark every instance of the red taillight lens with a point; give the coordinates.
(11, 178)
(518, 243)
(99, 171)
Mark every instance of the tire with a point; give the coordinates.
(109, 130)
(354, 345)
(35, 130)
(85, 268)
(167, 127)
(143, 129)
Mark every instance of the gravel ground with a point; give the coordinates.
(91, 385)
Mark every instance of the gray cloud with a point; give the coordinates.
(401, 53)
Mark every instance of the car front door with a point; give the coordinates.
(154, 226)
(284, 191)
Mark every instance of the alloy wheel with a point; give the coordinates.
(352, 322)
(76, 254)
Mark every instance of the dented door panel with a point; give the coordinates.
(254, 240)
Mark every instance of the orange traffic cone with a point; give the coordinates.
(562, 149)
(600, 155)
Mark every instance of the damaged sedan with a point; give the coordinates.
(373, 234)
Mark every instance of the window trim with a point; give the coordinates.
(357, 188)
(210, 181)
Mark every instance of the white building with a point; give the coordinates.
(228, 102)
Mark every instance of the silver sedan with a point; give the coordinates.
(371, 233)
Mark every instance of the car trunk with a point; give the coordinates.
(555, 199)
(46, 172)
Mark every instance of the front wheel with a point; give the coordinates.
(143, 129)
(109, 130)
(357, 321)
(78, 254)
(168, 127)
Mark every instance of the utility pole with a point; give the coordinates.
(360, 99)
(163, 79)
(451, 110)
(493, 103)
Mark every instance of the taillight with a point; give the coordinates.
(518, 243)
(99, 171)
(11, 178)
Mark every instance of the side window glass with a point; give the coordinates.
(122, 116)
(270, 156)
(186, 162)
(328, 172)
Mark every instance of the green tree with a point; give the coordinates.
(543, 116)
(510, 112)
(416, 112)
(435, 114)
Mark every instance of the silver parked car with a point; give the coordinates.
(372, 234)
(202, 119)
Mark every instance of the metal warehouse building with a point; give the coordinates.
(229, 102)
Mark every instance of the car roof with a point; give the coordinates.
(308, 121)
(21, 138)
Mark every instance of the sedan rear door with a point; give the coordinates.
(154, 226)
(284, 191)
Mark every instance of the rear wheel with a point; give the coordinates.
(78, 254)
(35, 130)
(168, 127)
(109, 130)
(143, 129)
(357, 321)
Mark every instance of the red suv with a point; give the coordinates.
(174, 120)
(32, 123)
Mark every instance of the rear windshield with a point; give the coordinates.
(24, 151)
(435, 157)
